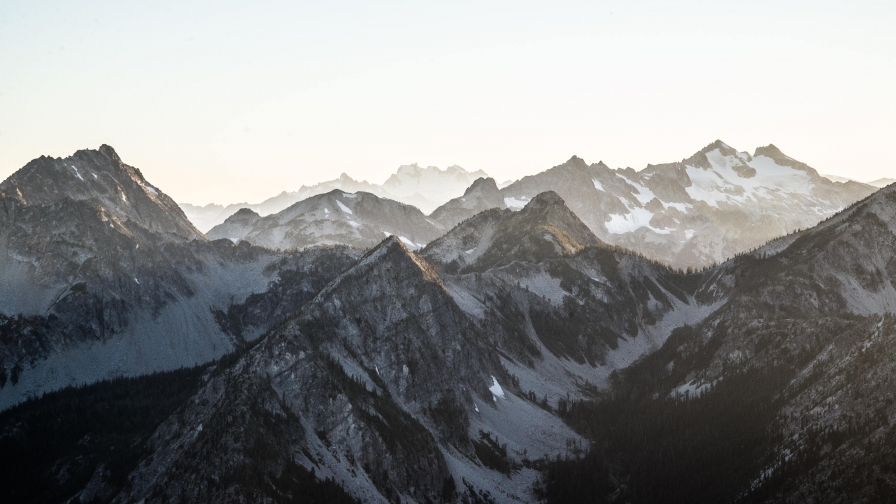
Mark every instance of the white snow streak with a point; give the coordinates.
(516, 203)
(496, 389)
(344, 208)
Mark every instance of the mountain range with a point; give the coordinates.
(426, 188)
(350, 348)
(690, 214)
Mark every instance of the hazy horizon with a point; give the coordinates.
(227, 103)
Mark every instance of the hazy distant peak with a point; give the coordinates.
(245, 212)
(577, 162)
(482, 184)
(882, 182)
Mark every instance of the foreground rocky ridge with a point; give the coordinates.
(558, 320)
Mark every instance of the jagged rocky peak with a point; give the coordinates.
(482, 184)
(550, 212)
(544, 228)
(577, 162)
(99, 176)
(546, 199)
(482, 195)
(393, 249)
(244, 214)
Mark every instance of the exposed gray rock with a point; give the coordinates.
(482, 195)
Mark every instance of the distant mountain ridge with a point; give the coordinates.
(700, 211)
(358, 219)
(696, 212)
(426, 188)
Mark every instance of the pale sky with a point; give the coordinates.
(237, 101)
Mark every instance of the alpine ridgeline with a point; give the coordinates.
(102, 275)
(697, 212)
(360, 220)
(425, 188)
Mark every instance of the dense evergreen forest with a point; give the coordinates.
(678, 449)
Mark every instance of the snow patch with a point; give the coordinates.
(496, 389)
(635, 219)
(77, 173)
(688, 234)
(344, 208)
(722, 184)
(516, 203)
(597, 185)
